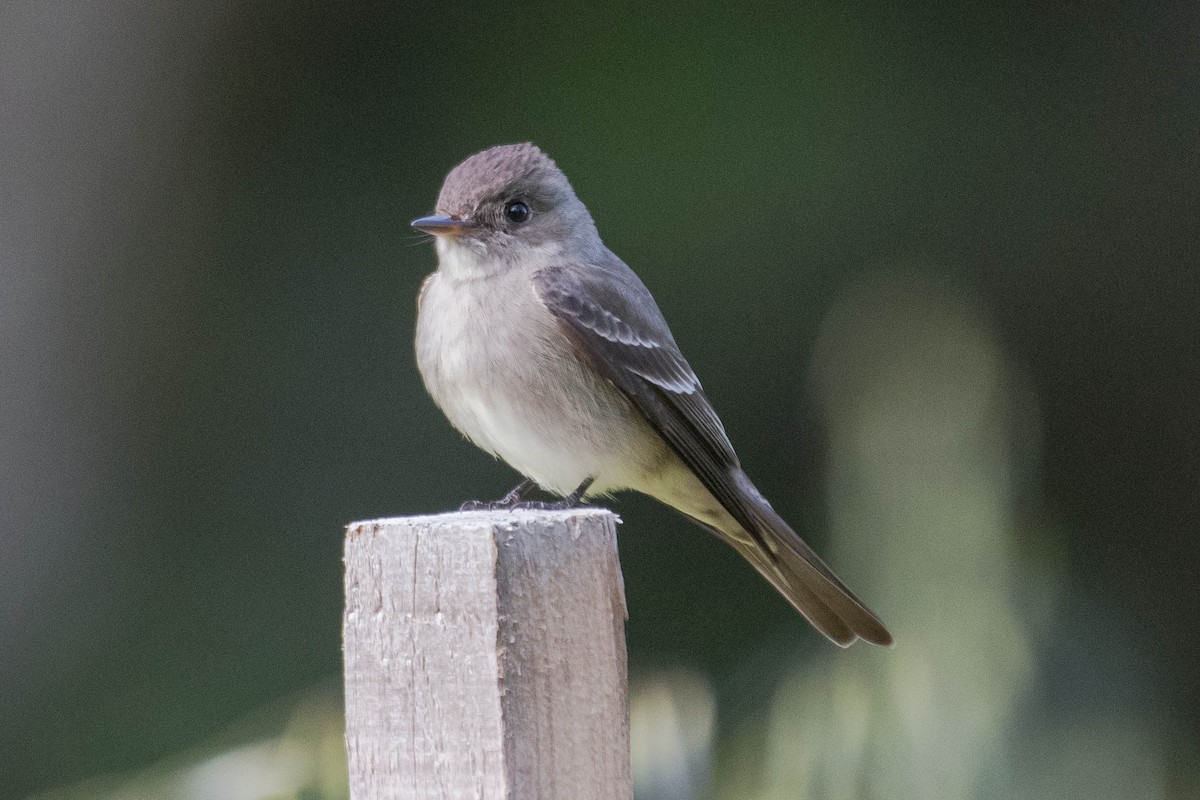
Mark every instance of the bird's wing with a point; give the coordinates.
(616, 326)
(614, 323)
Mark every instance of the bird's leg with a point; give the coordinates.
(508, 501)
(570, 501)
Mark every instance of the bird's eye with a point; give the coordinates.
(516, 211)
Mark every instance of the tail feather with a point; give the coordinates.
(831, 611)
(800, 575)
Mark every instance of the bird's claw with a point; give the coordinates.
(512, 500)
(485, 505)
(541, 505)
(528, 505)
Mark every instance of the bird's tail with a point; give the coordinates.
(798, 573)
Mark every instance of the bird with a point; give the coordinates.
(545, 350)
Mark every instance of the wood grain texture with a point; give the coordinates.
(485, 657)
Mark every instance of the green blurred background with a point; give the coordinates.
(936, 267)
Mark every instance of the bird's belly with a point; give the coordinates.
(517, 389)
(558, 457)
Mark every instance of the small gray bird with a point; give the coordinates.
(545, 350)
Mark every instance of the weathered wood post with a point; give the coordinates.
(485, 657)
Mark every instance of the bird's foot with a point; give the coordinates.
(484, 505)
(509, 501)
(573, 500)
(512, 501)
(542, 505)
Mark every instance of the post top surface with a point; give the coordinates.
(501, 517)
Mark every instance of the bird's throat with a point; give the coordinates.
(465, 260)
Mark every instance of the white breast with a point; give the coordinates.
(496, 363)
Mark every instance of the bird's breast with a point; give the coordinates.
(495, 361)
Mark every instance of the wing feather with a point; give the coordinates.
(614, 323)
(621, 332)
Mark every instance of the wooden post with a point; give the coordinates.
(485, 657)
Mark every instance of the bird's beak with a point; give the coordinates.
(442, 225)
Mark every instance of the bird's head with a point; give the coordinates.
(508, 207)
